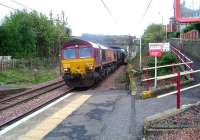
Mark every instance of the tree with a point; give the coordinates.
(27, 35)
(153, 33)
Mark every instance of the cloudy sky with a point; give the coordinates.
(90, 16)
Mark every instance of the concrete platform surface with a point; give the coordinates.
(84, 115)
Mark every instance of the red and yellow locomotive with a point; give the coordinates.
(85, 63)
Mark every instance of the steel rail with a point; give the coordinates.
(16, 100)
(20, 116)
(29, 91)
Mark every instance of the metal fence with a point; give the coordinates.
(184, 61)
(7, 64)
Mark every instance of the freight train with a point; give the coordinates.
(85, 63)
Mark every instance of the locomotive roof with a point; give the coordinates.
(83, 42)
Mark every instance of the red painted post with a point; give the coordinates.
(174, 71)
(185, 67)
(191, 69)
(178, 100)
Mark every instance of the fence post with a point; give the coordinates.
(178, 90)
(1, 64)
(185, 67)
(13, 63)
(191, 69)
(174, 71)
(155, 81)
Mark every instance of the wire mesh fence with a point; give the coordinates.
(33, 63)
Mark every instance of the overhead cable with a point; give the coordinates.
(108, 10)
(23, 5)
(146, 10)
(4, 5)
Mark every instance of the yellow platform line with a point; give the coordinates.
(42, 129)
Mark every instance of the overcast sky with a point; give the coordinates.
(90, 16)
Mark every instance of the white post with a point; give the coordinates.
(140, 54)
(155, 81)
(166, 32)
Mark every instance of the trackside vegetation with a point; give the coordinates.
(166, 59)
(30, 34)
(29, 38)
(154, 33)
(25, 77)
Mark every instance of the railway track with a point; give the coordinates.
(26, 96)
(10, 96)
(20, 100)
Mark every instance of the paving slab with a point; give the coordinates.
(106, 115)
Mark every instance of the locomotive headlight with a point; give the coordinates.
(89, 67)
(67, 70)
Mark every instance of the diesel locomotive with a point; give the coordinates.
(85, 63)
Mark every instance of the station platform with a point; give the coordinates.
(79, 115)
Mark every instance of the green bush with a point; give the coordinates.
(166, 59)
(26, 34)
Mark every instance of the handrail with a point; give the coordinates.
(181, 53)
(184, 61)
(174, 92)
(171, 75)
(163, 66)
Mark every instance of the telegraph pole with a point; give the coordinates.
(51, 16)
(140, 54)
(61, 39)
(63, 18)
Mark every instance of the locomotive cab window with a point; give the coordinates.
(69, 53)
(85, 52)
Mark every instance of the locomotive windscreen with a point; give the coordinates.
(85, 52)
(69, 53)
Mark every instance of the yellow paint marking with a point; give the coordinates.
(147, 94)
(34, 135)
(42, 129)
(29, 138)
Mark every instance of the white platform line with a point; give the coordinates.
(10, 127)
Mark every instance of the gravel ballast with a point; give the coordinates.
(184, 125)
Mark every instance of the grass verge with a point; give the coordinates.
(24, 76)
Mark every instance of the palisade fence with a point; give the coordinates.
(6, 63)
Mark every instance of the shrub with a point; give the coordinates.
(166, 59)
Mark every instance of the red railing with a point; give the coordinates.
(184, 60)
